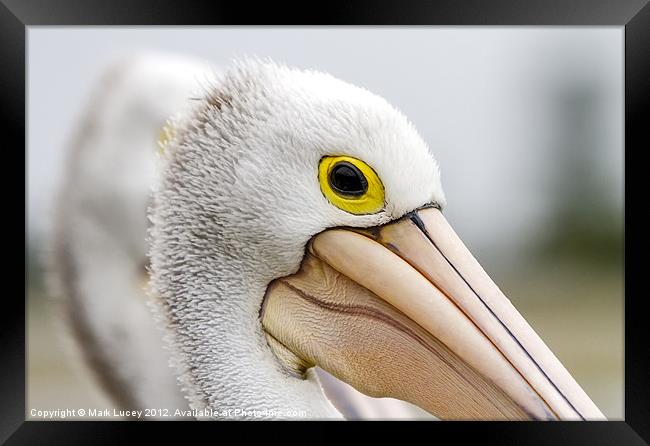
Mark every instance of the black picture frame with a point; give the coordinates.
(634, 15)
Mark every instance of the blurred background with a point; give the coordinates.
(527, 124)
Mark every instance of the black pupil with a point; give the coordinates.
(347, 179)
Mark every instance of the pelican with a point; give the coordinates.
(98, 252)
(296, 222)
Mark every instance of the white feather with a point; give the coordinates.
(99, 251)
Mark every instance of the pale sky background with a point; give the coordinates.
(487, 100)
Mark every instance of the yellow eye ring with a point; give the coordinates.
(350, 185)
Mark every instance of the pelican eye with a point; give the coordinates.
(346, 179)
(350, 184)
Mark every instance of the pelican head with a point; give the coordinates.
(297, 222)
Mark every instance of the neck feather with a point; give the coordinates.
(223, 359)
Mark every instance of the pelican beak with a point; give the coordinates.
(405, 311)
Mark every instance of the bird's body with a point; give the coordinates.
(276, 191)
(99, 240)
